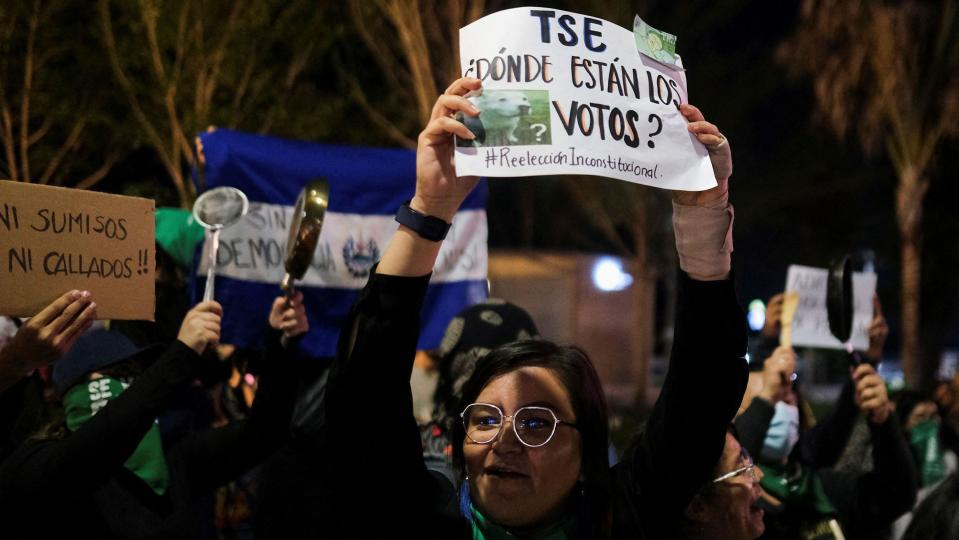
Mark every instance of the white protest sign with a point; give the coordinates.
(810, 327)
(565, 93)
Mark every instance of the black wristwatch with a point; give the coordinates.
(427, 227)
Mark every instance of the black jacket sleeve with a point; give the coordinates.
(89, 456)
(684, 438)
(376, 457)
(823, 444)
(872, 501)
(752, 425)
(213, 457)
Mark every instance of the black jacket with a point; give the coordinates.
(376, 460)
(78, 485)
(866, 504)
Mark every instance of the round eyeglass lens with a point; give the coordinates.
(482, 422)
(534, 425)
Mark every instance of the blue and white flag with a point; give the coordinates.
(367, 185)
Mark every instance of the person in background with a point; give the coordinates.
(40, 342)
(937, 517)
(806, 495)
(470, 336)
(45, 337)
(919, 417)
(177, 235)
(104, 466)
(728, 506)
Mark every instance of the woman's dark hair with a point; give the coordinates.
(691, 528)
(127, 369)
(937, 517)
(577, 374)
(906, 401)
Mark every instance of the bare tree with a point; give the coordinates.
(415, 45)
(182, 66)
(887, 73)
(51, 105)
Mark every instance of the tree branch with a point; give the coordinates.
(600, 217)
(217, 57)
(39, 133)
(384, 56)
(9, 142)
(379, 120)
(64, 149)
(405, 16)
(149, 12)
(153, 136)
(100, 173)
(27, 89)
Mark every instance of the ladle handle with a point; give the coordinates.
(211, 269)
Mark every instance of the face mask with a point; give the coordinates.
(84, 400)
(782, 434)
(924, 441)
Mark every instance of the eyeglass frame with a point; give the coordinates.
(750, 468)
(504, 417)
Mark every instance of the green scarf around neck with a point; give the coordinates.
(924, 441)
(84, 400)
(484, 529)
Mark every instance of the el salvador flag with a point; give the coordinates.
(367, 185)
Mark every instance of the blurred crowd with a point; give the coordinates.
(133, 429)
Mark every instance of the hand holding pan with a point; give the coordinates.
(304, 233)
(215, 210)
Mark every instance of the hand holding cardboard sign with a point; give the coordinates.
(201, 326)
(45, 337)
(439, 192)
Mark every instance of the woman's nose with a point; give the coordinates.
(506, 440)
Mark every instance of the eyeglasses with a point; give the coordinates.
(533, 426)
(749, 469)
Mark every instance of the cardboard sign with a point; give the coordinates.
(53, 240)
(565, 93)
(810, 324)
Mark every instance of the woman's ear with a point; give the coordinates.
(696, 510)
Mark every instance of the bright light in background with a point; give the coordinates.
(757, 315)
(608, 275)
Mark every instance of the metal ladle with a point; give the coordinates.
(215, 210)
(304, 232)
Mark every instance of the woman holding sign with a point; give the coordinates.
(531, 450)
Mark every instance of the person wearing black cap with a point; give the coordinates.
(469, 336)
(105, 472)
